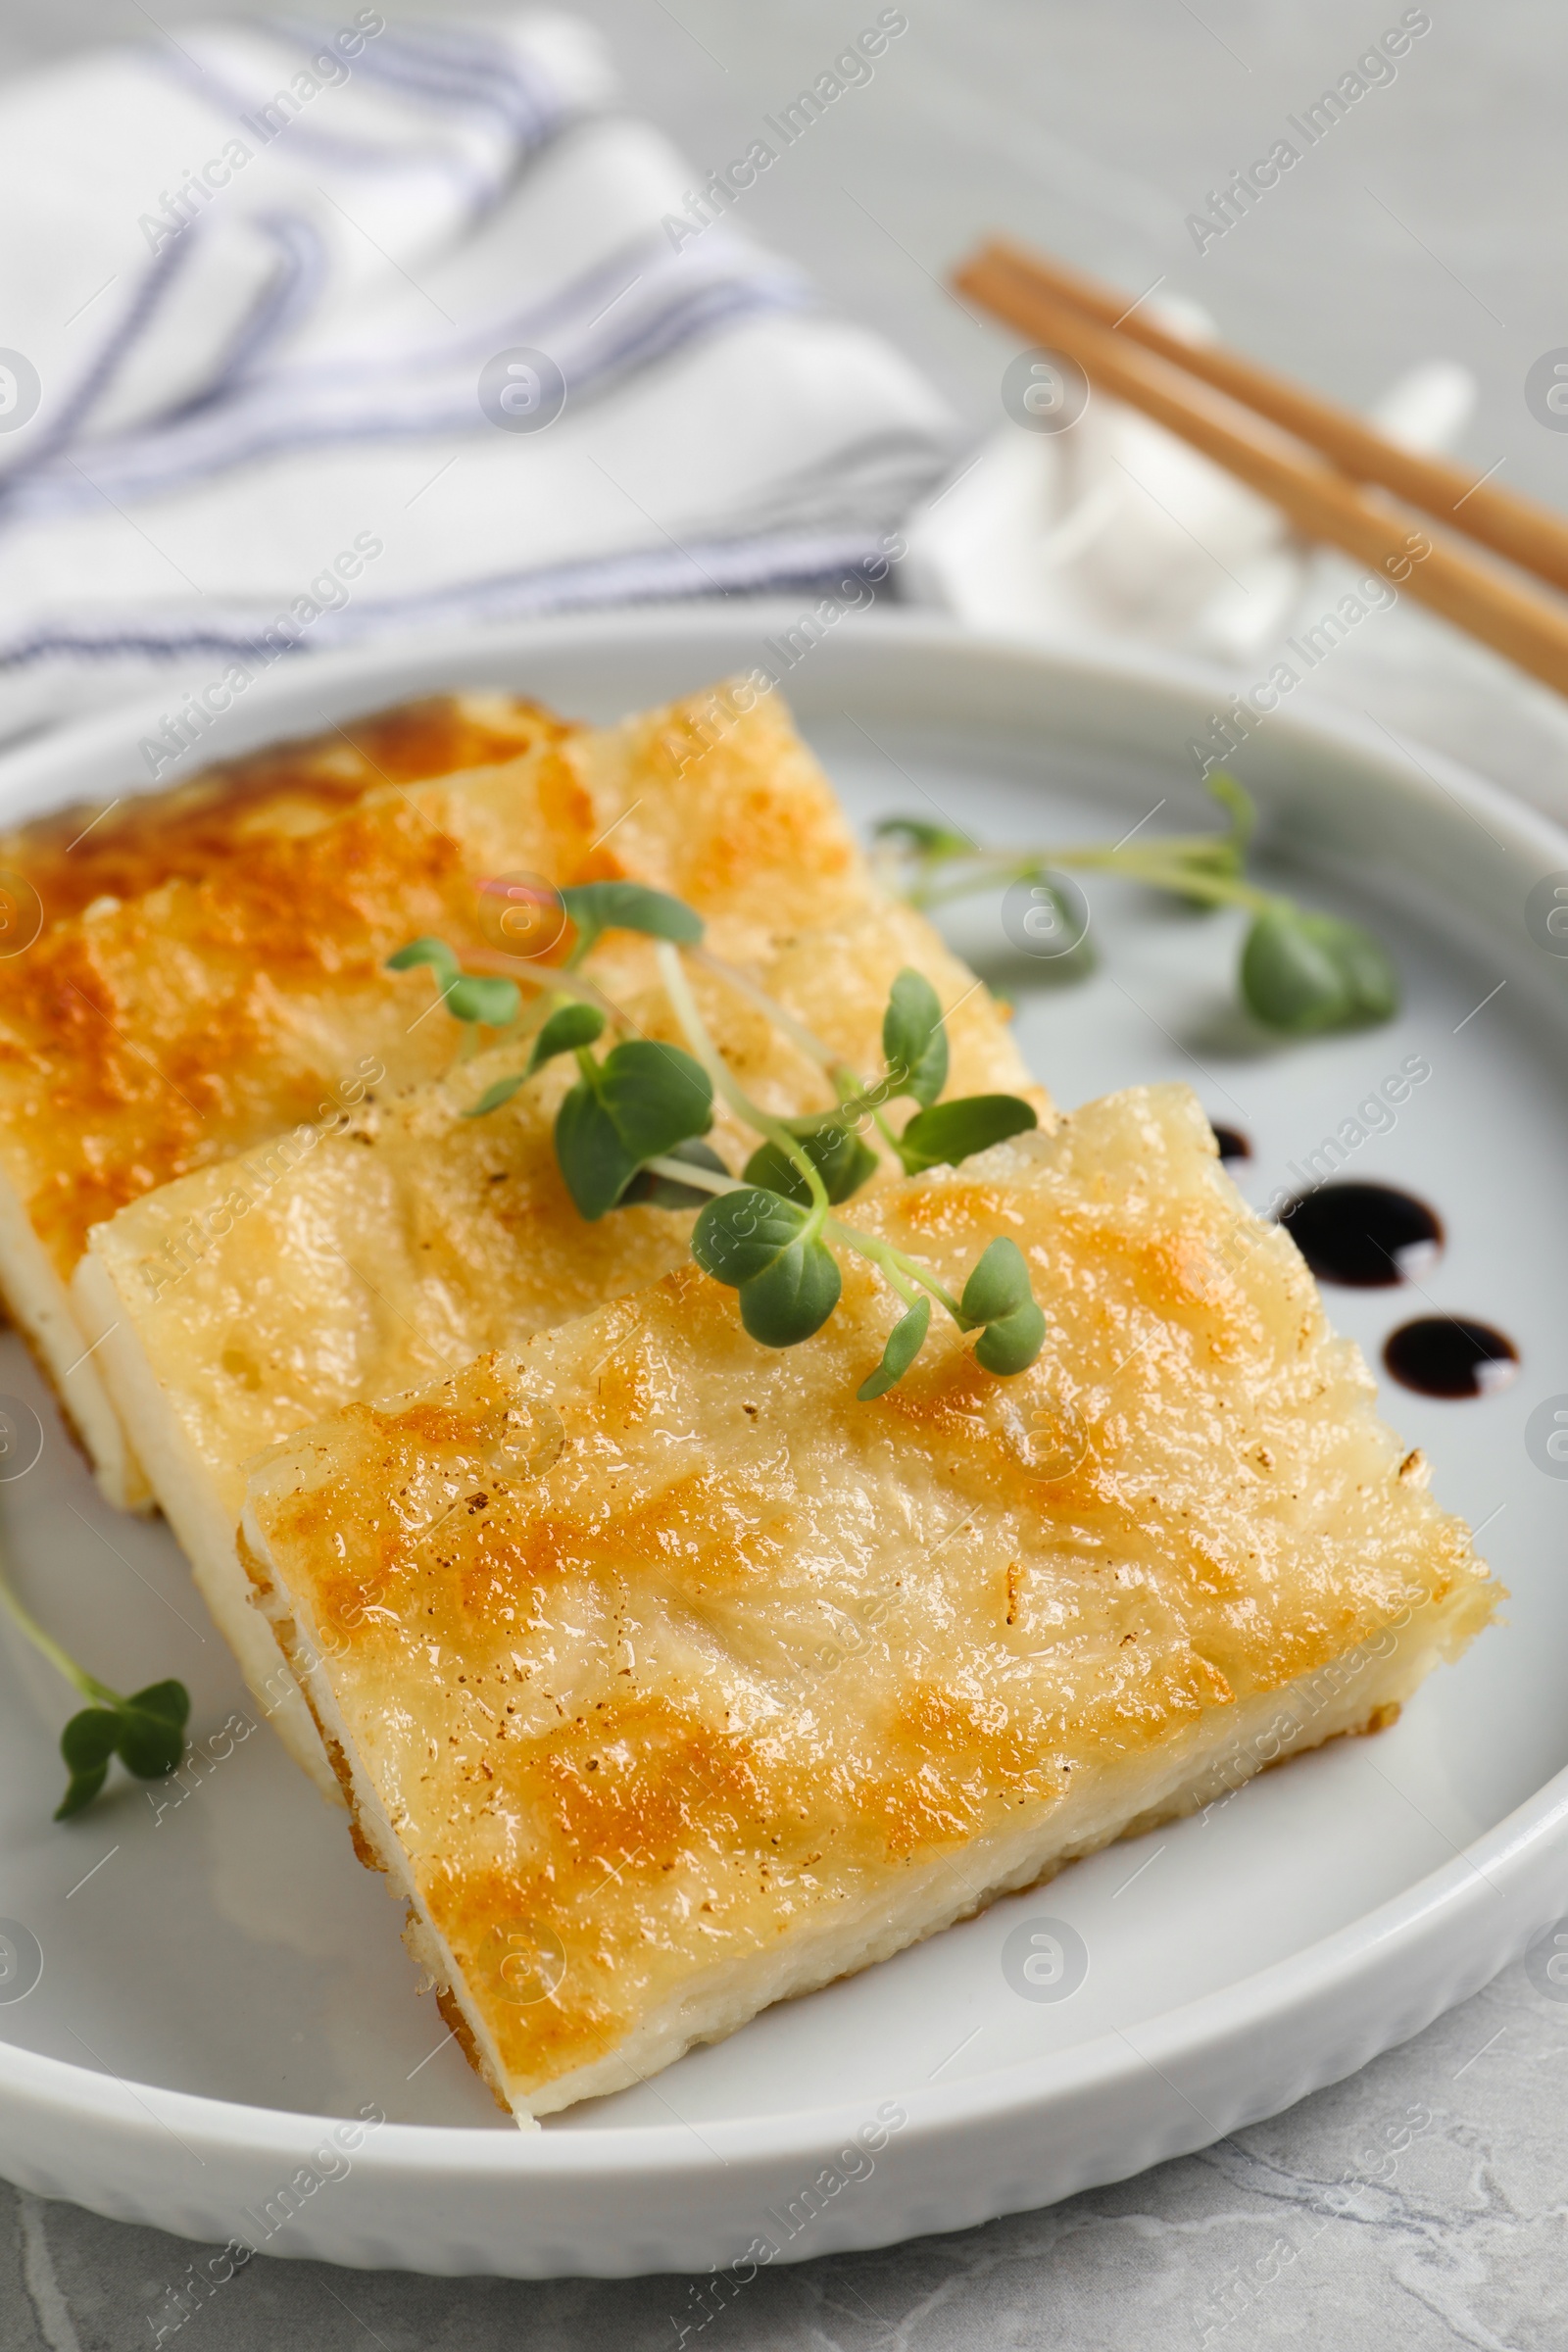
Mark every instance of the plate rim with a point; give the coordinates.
(1105, 661)
(1509, 1857)
(1266, 1996)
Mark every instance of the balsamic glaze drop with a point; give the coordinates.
(1439, 1355)
(1233, 1143)
(1368, 1236)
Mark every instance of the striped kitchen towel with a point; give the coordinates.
(311, 333)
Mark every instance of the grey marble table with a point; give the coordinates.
(1429, 224)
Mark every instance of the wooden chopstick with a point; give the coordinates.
(1319, 500)
(1528, 535)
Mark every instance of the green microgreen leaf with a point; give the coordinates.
(904, 1343)
(913, 1040)
(792, 1297)
(433, 951)
(999, 1295)
(567, 1031)
(147, 1731)
(502, 1091)
(1301, 973)
(925, 840)
(152, 1729)
(1366, 964)
(740, 1235)
(752, 1239)
(998, 1284)
(951, 1132)
(169, 1702)
(840, 1156)
(649, 1190)
(638, 1104)
(657, 1096)
(596, 907)
(1011, 1343)
(475, 997)
(80, 1790)
(91, 1738)
(1304, 973)
(569, 1028)
(590, 1154)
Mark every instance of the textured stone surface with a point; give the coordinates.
(1429, 224)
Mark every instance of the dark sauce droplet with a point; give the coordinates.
(1439, 1356)
(1233, 1143)
(1369, 1236)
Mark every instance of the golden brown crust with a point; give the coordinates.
(463, 2034)
(747, 1656)
(126, 847)
(166, 1032)
(420, 1238)
(152, 1035)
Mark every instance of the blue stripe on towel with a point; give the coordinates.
(101, 371)
(266, 421)
(743, 567)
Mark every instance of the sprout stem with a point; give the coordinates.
(47, 1646)
(900, 1271)
(554, 977)
(708, 1053)
(852, 1090)
(781, 1016)
(685, 1171)
(1164, 865)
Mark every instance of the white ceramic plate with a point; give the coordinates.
(221, 1981)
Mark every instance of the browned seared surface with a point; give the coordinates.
(673, 1680)
(120, 849)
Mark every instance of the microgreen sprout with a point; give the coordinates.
(1300, 974)
(475, 998)
(146, 1729)
(630, 1131)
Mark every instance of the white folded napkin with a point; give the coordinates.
(1109, 529)
(289, 311)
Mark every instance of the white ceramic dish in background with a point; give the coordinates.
(220, 1979)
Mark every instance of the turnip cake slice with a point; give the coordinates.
(667, 1679)
(252, 1300)
(150, 1036)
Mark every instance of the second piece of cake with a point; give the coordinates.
(667, 1680)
